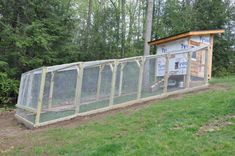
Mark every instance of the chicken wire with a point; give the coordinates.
(70, 89)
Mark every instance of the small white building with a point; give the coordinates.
(173, 44)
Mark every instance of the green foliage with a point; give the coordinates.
(35, 33)
(9, 89)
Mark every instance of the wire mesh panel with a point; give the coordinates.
(197, 68)
(59, 94)
(34, 89)
(26, 114)
(28, 95)
(153, 77)
(96, 86)
(127, 79)
(177, 72)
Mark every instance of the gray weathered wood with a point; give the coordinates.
(140, 81)
(167, 57)
(80, 69)
(99, 82)
(206, 67)
(121, 78)
(51, 90)
(188, 76)
(114, 72)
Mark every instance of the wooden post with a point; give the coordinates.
(210, 56)
(80, 70)
(51, 90)
(188, 76)
(99, 82)
(114, 72)
(141, 72)
(40, 97)
(121, 78)
(166, 73)
(206, 76)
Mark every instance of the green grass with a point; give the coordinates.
(168, 127)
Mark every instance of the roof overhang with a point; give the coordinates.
(184, 35)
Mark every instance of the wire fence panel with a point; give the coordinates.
(96, 86)
(153, 77)
(197, 68)
(54, 93)
(126, 85)
(59, 94)
(177, 72)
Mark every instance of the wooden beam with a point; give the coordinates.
(51, 90)
(121, 79)
(29, 109)
(140, 81)
(80, 70)
(40, 97)
(99, 82)
(114, 72)
(167, 57)
(210, 56)
(206, 65)
(184, 35)
(188, 76)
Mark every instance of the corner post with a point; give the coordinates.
(167, 57)
(121, 79)
(206, 65)
(99, 82)
(188, 69)
(114, 72)
(141, 68)
(40, 97)
(80, 70)
(51, 89)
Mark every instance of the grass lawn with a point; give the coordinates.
(194, 124)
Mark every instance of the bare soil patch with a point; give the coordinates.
(215, 125)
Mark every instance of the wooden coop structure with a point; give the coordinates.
(56, 93)
(188, 40)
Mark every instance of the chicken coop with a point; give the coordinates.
(62, 92)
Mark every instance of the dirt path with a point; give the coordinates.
(13, 133)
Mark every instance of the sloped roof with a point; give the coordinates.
(183, 35)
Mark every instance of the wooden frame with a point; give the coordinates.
(206, 65)
(188, 76)
(51, 90)
(114, 72)
(113, 66)
(140, 81)
(40, 97)
(167, 57)
(80, 69)
(184, 35)
(101, 67)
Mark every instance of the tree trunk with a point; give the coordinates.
(148, 31)
(147, 38)
(123, 28)
(88, 24)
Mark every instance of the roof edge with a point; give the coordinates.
(185, 34)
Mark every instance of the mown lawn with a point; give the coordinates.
(195, 124)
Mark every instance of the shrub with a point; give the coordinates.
(8, 90)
